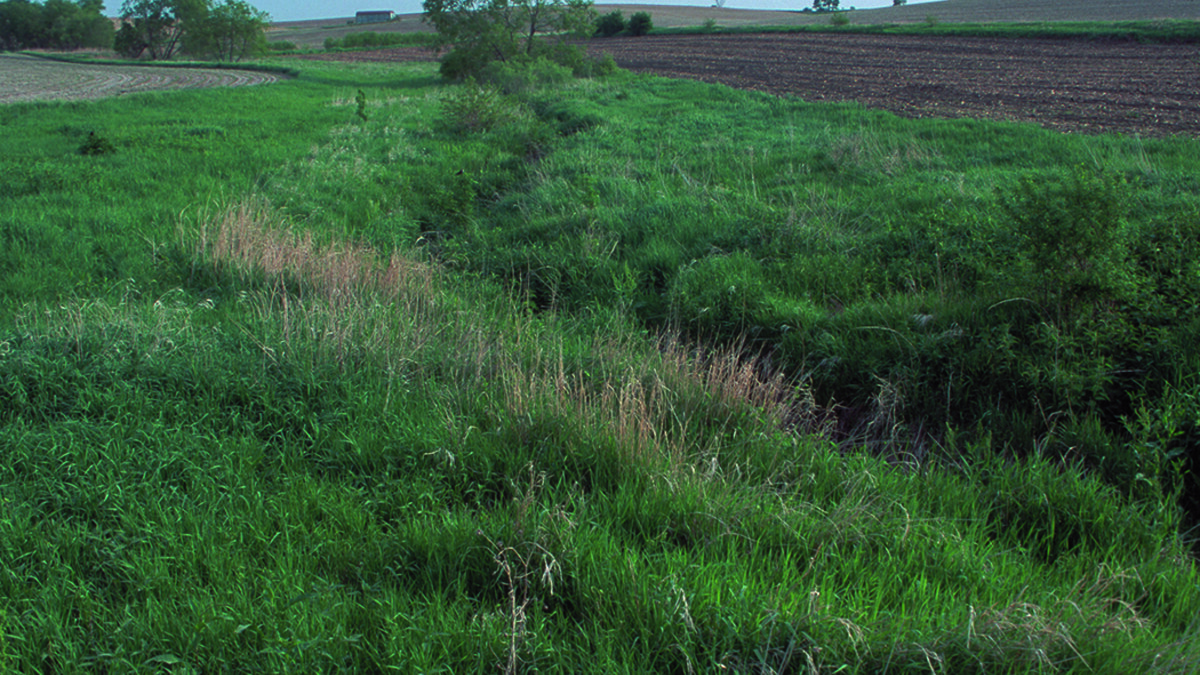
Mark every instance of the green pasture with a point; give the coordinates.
(362, 372)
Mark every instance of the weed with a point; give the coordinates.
(360, 101)
(95, 144)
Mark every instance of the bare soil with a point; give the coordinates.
(1067, 85)
(28, 78)
(1070, 85)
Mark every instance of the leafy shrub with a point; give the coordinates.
(610, 24)
(640, 24)
(839, 19)
(1068, 230)
(281, 46)
(474, 107)
(516, 78)
(462, 63)
(96, 144)
(474, 62)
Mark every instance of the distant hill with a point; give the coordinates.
(312, 34)
(956, 11)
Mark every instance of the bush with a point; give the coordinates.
(463, 63)
(523, 77)
(474, 62)
(610, 24)
(95, 144)
(281, 46)
(478, 108)
(1068, 230)
(640, 24)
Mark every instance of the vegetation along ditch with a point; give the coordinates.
(367, 370)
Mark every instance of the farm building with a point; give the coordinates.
(374, 16)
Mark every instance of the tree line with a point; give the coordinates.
(228, 30)
(54, 24)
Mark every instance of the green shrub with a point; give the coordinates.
(462, 63)
(1069, 234)
(521, 77)
(640, 24)
(610, 24)
(474, 107)
(96, 144)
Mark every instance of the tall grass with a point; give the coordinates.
(333, 432)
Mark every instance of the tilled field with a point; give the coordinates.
(27, 78)
(1070, 85)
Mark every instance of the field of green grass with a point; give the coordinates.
(362, 372)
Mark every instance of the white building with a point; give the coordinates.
(380, 16)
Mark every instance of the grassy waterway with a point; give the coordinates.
(624, 375)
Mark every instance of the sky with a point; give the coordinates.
(299, 10)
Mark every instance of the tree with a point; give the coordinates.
(56, 24)
(610, 24)
(77, 25)
(825, 5)
(899, 3)
(231, 31)
(640, 23)
(158, 26)
(21, 25)
(481, 31)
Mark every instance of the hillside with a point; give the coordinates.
(313, 33)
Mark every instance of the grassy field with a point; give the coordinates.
(360, 372)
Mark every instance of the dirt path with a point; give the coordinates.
(27, 78)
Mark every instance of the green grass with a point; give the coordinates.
(483, 383)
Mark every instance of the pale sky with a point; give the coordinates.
(299, 10)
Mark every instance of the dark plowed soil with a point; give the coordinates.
(1070, 85)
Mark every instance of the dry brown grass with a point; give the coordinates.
(358, 307)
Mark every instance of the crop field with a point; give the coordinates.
(28, 78)
(1070, 85)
